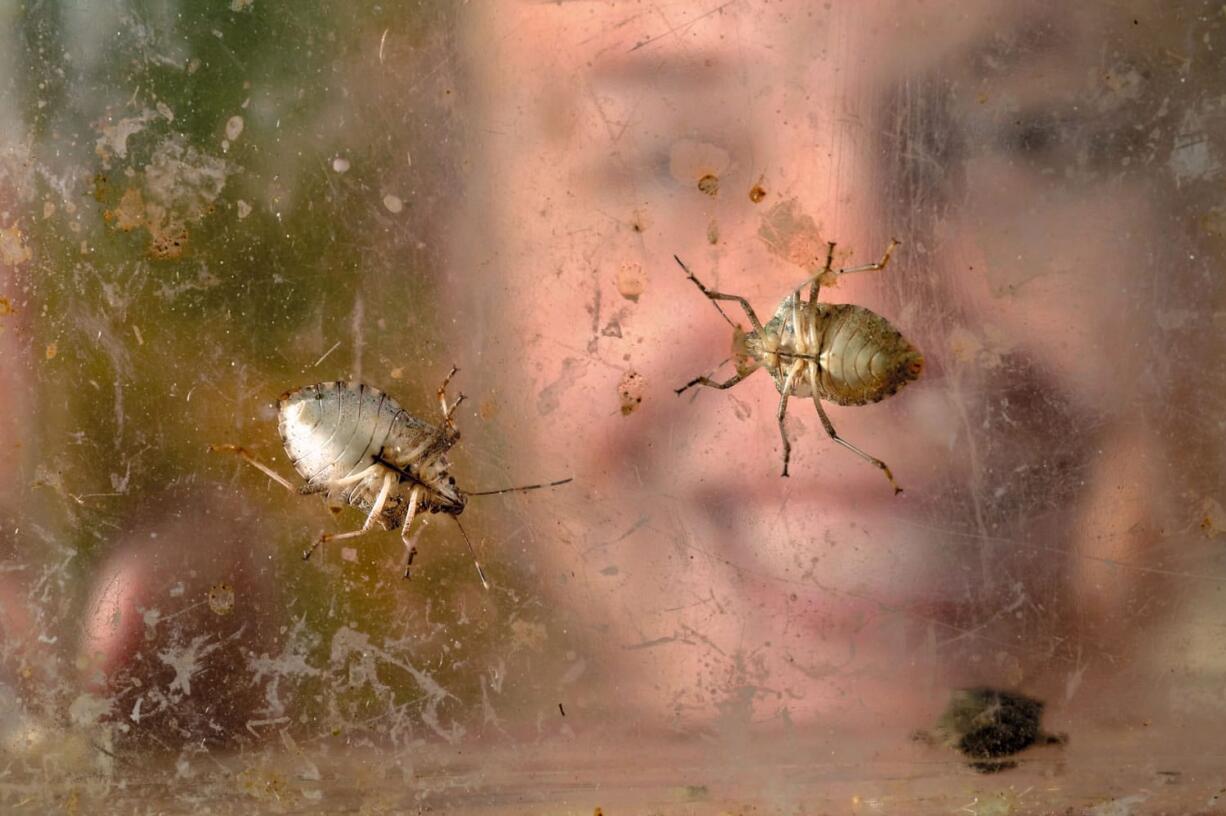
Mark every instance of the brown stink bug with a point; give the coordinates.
(838, 352)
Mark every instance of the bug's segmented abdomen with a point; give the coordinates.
(862, 358)
(332, 430)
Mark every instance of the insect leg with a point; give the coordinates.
(442, 394)
(357, 477)
(265, 469)
(710, 383)
(816, 283)
(389, 479)
(885, 259)
(785, 392)
(829, 276)
(714, 296)
(414, 498)
(829, 426)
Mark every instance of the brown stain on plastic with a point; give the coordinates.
(630, 392)
(631, 282)
(1213, 518)
(791, 234)
(129, 213)
(221, 599)
(709, 184)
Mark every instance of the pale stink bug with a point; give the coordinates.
(837, 352)
(356, 445)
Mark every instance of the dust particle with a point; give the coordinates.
(639, 221)
(631, 281)
(393, 203)
(713, 232)
(13, 250)
(221, 598)
(340, 165)
(234, 128)
(709, 184)
(630, 392)
(244, 209)
(757, 192)
(52, 350)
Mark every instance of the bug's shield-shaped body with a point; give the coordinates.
(846, 354)
(837, 352)
(334, 432)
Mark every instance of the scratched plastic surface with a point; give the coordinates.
(203, 205)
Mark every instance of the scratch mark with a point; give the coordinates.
(682, 28)
(660, 641)
(324, 356)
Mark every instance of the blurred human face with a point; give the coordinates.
(713, 585)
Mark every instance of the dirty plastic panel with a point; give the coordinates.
(204, 205)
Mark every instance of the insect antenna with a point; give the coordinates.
(473, 552)
(521, 489)
(714, 302)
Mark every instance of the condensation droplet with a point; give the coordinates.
(393, 203)
(234, 128)
(340, 164)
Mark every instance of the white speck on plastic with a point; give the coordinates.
(340, 164)
(393, 203)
